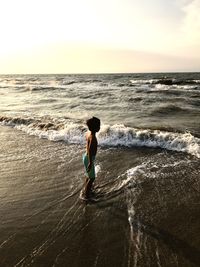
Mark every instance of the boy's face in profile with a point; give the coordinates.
(98, 128)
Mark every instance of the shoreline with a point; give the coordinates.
(145, 219)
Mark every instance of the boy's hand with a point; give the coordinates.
(89, 167)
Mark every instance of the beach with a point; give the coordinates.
(146, 211)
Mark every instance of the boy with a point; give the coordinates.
(89, 157)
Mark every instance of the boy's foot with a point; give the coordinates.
(91, 194)
(83, 196)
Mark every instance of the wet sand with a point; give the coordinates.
(148, 216)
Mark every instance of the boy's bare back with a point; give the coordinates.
(91, 144)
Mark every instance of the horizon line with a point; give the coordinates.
(99, 73)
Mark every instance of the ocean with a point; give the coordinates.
(146, 210)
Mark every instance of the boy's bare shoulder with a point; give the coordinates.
(90, 137)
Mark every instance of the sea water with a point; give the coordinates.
(153, 110)
(147, 184)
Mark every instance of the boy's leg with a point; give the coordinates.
(88, 187)
(85, 185)
(90, 179)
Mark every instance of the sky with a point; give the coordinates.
(99, 36)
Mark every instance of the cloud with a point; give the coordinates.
(191, 21)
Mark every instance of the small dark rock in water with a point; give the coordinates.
(165, 81)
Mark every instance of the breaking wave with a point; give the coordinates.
(109, 135)
(167, 81)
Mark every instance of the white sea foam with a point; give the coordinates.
(97, 169)
(129, 178)
(161, 87)
(117, 135)
(150, 81)
(72, 133)
(131, 174)
(135, 176)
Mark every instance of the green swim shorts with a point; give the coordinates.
(91, 173)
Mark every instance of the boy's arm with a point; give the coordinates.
(89, 152)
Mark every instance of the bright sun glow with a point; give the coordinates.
(98, 36)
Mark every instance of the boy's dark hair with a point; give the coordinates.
(93, 124)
